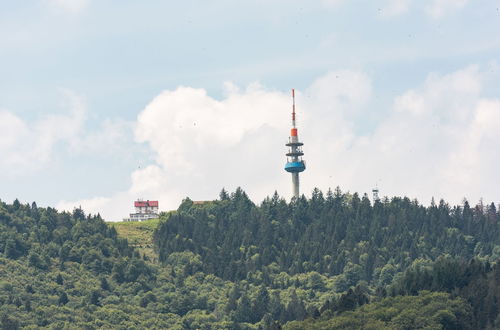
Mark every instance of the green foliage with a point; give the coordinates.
(9, 323)
(63, 298)
(428, 310)
(475, 281)
(230, 264)
(341, 234)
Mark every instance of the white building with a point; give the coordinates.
(144, 210)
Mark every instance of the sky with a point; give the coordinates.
(105, 102)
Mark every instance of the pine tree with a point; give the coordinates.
(261, 304)
(63, 298)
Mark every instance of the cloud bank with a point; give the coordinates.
(30, 147)
(26, 147)
(438, 140)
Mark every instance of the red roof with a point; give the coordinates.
(145, 203)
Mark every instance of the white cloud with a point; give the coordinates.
(111, 136)
(473, 163)
(13, 130)
(450, 96)
(27, 147)
(97, 203)
(68, 6)
(439, 8)
(434, 143)
(184, 124)
(439, 140)
(151, 178)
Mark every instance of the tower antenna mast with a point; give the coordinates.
(294, 163)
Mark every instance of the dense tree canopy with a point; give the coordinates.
(230, 264)
(425, 311)
(340, 234)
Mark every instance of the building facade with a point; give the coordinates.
(144, 210)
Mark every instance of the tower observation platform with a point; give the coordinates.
(294, 164)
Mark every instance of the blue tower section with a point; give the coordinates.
(294, 163)
(295, 167)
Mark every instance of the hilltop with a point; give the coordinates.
(139, 234)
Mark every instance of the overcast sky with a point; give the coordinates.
(104, 102)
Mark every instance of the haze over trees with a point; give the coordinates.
(331, 261)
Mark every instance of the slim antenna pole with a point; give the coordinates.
(293, 107)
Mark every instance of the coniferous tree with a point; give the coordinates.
(63, 298)
(59, 279)
(243, 310)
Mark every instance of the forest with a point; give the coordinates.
(332, 261)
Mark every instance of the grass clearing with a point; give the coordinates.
(139, 234)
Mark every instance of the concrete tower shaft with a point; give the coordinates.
(294, 163)
(295, 184)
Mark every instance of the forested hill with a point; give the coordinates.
(337, 234)
(334, 261)
(57, 269)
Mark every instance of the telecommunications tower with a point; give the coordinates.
(294, 163)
